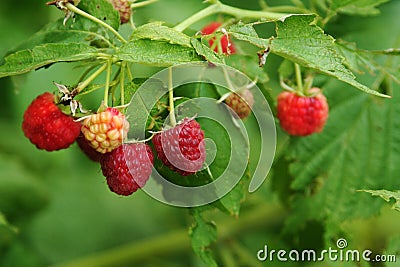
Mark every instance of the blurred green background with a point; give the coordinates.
(58, 203)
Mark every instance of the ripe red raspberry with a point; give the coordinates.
(227, 46)
(124, 9)
(127, 168)
(105, 130)
(299, 115)
(241, 102)
(47, 126)
(89, 151)
(182, 148)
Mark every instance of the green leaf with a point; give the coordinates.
(359, 59)
(203, 234)
(300, 41)
(205, 51)
(358, 149)
(356, 59)
(232, 201)
(55, 32)
(246, 32)
(387, 195)
(101, 9)
(156, 53)
(40, 56)
(158, 32)
(141, 104)
(356, 7)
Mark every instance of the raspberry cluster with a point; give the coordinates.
(100, 137)
(127, 167)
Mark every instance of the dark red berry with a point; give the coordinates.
(182, 148)
(300, 115)
(127, 168)
(47, 126)
(225, 42)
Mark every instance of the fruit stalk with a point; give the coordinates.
(85, 83)
(299, 79)
(108, 78)
(171, 99)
